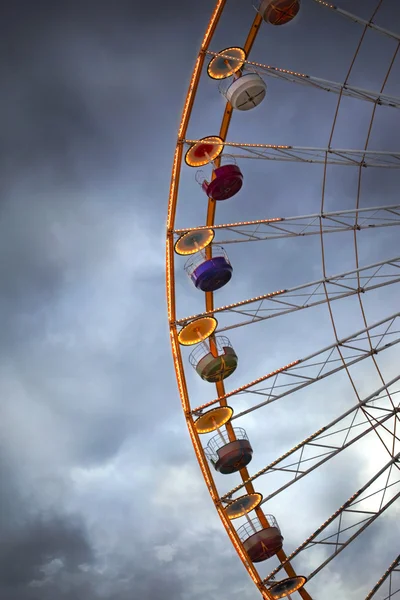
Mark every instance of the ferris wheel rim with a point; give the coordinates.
(209, 223)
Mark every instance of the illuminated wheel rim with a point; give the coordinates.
(375, 337)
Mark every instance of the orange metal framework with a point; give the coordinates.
(170, 282)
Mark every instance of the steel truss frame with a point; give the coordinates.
(387, 579)
(329, 441)
(368, 516)
(318, 83)
(368, 24)
(303, 226)
(348, 346)
(307, 155)
(316, 366)
(306, 295)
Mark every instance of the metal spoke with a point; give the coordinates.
(307, 155)
(307, 295)
(388, 578)
(337, 540)
(370, 24)
(303, 226)
(321, 84)
(327, 442)
(315, 367)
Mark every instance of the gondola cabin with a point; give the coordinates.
(209, 274)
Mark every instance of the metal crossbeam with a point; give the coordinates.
(316, 366)
(326, 85)
(307, 295)
(303, 226)
(324, 442)
(388, 577)
(343, 534)
(307, 155)
(356, 19)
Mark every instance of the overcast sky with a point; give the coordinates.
(101, 496)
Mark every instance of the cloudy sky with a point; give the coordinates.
(101, 496)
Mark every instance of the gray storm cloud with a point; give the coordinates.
(100, 493)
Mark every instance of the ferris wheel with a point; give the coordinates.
(322, 350)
